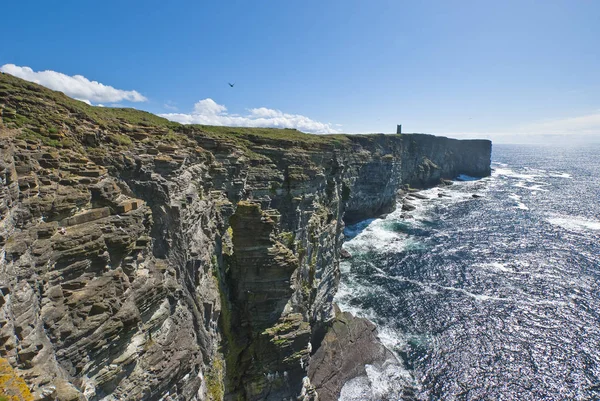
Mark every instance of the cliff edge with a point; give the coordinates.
(142, 259)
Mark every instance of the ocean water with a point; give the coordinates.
(488, 298)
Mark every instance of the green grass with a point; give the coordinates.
(26, 105)
(253, 135)
(214, 380)
(121, 139)
(288, 238)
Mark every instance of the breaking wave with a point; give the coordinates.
(487, 289)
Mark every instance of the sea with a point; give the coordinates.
(489, 288)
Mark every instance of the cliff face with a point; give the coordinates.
(142, 259)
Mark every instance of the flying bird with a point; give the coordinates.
(231, 84)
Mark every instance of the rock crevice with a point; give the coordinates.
(141, 259)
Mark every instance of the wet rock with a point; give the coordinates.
(407, 206)
(348, 346)
(344, 254)
(417, 195)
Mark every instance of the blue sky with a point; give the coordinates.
(509, 70)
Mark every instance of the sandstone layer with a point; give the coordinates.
(143, 260)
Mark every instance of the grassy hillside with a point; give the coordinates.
(60, 121)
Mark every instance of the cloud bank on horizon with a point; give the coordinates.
(588, 124)
(76, 86)
(209, 112)
(577, 129)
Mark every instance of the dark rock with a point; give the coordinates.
(344, 254)
(419, 196)
(348, 346)
(407, 206)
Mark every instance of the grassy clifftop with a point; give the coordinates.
(57, 120)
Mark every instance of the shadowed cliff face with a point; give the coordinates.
(417, 160)
(142, 259)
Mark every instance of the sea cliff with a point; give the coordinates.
(143, 259)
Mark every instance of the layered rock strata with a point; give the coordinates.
(144, 260)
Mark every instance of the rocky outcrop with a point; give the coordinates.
(144, 260)
(349, 345)
(414, 160)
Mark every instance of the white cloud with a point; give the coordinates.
(263, 112)
(76, 86)
(84, 101)
(209, 112)
(209, 108)
(581, 125)
(578, 129)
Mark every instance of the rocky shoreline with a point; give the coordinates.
(143, 260)
(349, 345)
(357, 334)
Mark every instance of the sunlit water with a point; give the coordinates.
(487, 298)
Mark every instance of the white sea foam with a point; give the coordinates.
(376, 238)
(479, 297)
(378, 235)
(518, 204)
(392, 339)
(385, 382)
(507, 172)
(529, 175)
(522, 206)
(508, 276)
(346, 292)
(342, 302)
(558, 174)
(503, 268)
(380, 382)
(495, 266)
(537, 186)
(575, 223)
(357, 389)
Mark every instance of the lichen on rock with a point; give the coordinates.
(12, 387)
(143, 259)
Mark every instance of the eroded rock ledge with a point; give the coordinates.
(349, 345)
(143, 260)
